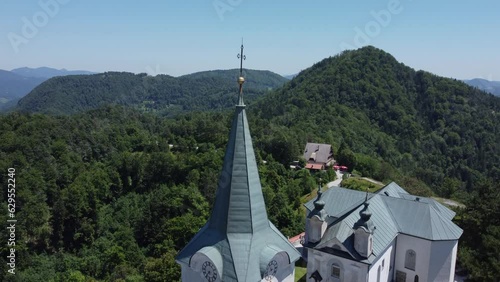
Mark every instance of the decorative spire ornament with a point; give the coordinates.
(241, 79)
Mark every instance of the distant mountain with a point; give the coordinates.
(14, 86)
(254, 79)
(210, 90)
(492, 87)
(45, 72)
(291, 76)
(436, 129)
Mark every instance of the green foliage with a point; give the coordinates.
(105, 198)
(479, 252)
(212, 90)
(113, 194)
(346, 157)
(360, 184)
(364, 101)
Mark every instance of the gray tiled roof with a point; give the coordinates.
(322, 153)
(398, 213)
(345, 200)
(238, 226)
(421, 219)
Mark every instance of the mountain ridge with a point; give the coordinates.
(14, 86)
(47, 72)
(489, 86)
(431, 127)
(161, 93)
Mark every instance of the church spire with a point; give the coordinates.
(239, 203)
(241, 79)
(238, 243)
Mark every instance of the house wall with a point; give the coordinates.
(386, 260)
(352, 271)
(443, 258)
(422, 249)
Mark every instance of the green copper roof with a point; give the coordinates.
(393, 211)
(238, 226)
(239, 204)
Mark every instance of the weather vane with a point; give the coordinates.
(241, 79)
(242, 57)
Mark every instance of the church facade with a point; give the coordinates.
(386, 236)
(238, 243)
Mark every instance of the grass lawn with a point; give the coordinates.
(300, 274)
(360, 184)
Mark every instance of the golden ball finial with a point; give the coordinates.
(241, 80)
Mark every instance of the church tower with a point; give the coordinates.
(238, 243)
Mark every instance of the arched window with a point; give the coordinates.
(416, 278)
(379, 271)
(410, 259)
(336, 271)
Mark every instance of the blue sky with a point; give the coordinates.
(457, 39)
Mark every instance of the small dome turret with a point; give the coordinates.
(365, 218)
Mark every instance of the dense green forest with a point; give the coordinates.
(435, 129)
(163, 94)
(102, 196)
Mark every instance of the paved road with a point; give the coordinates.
(337, 181)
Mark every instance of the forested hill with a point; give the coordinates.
(436, 129)
(102, 196)
(162, 94)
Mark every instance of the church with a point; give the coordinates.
(390, 235)
(350, 235)
(238, 243)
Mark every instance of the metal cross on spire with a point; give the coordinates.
(241, 79)
(242, 57)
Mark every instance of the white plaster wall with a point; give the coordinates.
(386, 257)
(194, 273)
(283, 275)
(422, 248)
(188, 274)
(352, 271)
(443, 258)
(315, 229)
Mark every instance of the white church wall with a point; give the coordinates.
(194, 272)
(443, 258)
(422, 250)
(286, 274)
(282, 270)
(188, 274)
(315, 228)
(351, 271)
(384, 262)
